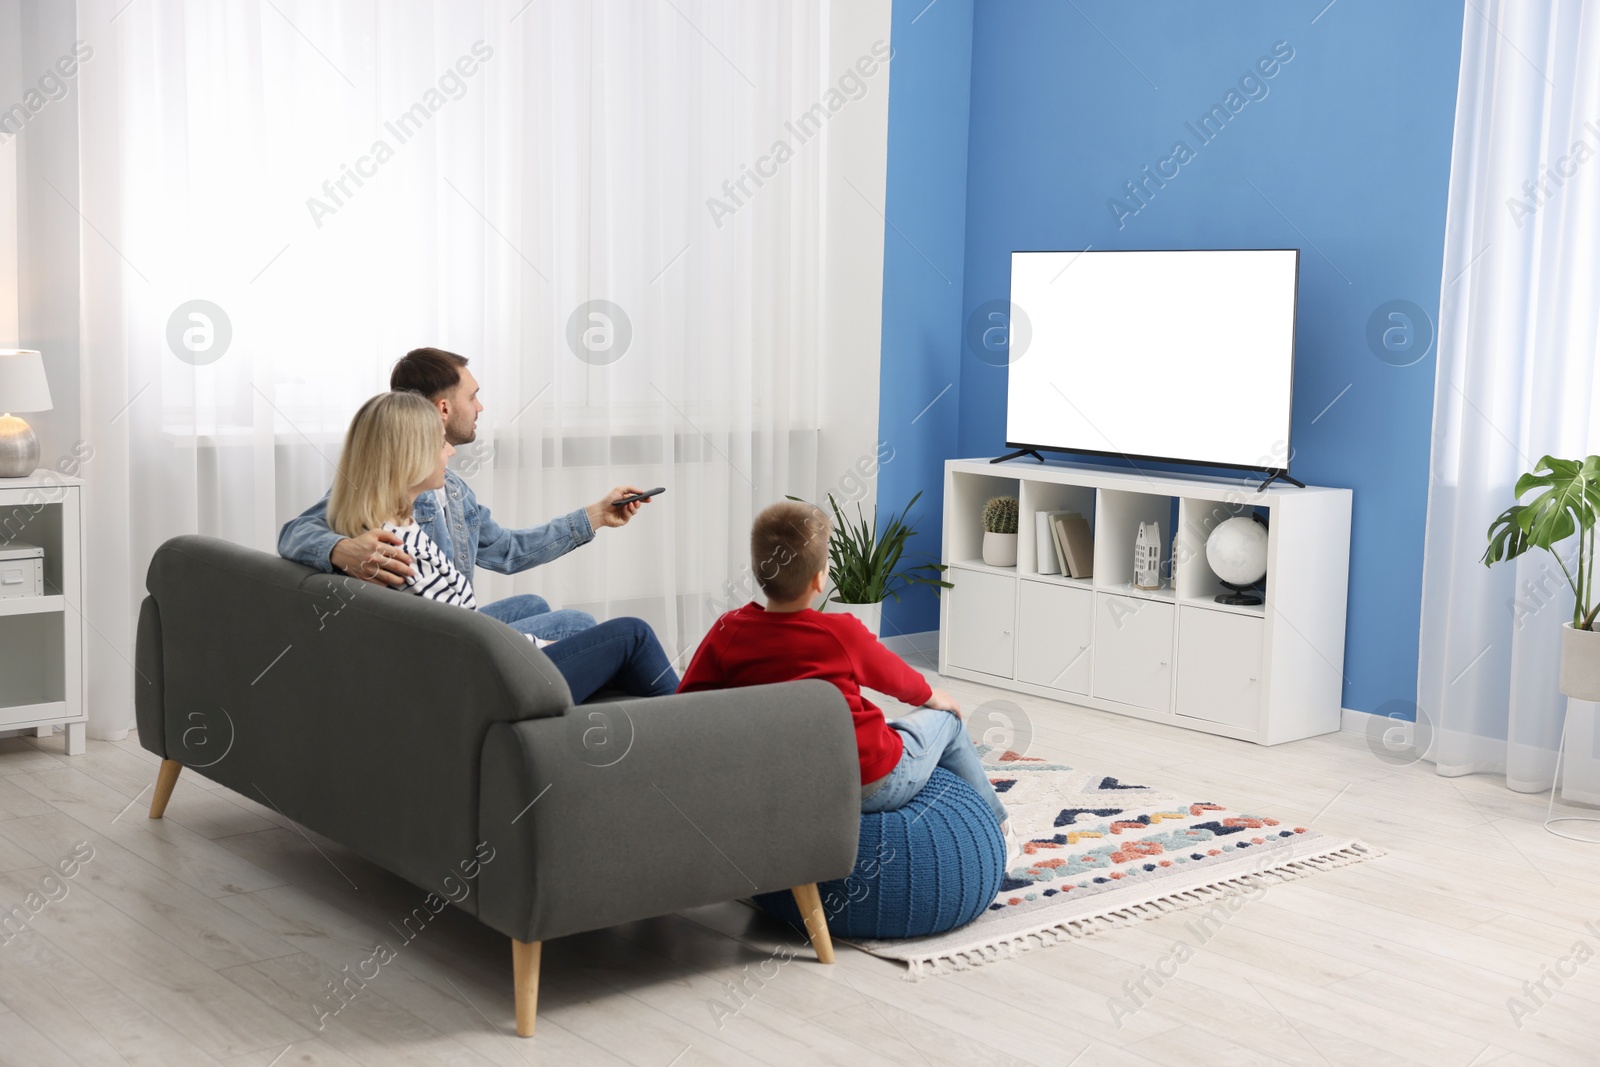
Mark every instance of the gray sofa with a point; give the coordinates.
(443, 746)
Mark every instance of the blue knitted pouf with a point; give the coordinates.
(931, 866)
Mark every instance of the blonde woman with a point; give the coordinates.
(396, 450)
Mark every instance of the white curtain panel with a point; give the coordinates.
(347, 181)
(1516, 381)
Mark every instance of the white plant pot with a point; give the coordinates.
(871, 615)
(1580, 662)
(999, 550)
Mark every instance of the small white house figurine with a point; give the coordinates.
(1147, 556)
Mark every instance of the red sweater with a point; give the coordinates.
(753, 646)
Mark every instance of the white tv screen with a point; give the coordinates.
(1185, 356)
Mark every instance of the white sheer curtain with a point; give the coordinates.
(1516, 380)
(512, 161)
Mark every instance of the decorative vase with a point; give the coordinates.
(1580, 662)
(999, 549)
(871, 615)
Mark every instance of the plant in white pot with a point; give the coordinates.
(1000, 532)
(1568, 504)
(867, 565)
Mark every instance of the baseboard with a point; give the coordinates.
(925, 643)
(1357, 722)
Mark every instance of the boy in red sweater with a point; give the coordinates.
(788, 640)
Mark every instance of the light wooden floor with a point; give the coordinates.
(206, 938)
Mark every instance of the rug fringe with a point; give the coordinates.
(966, 959)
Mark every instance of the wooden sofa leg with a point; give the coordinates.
(525, 974)
(166, 778)
(809, 900)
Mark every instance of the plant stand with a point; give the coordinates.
(1550, 817)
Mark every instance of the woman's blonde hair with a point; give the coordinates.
(392, 444)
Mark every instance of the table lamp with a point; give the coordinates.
(23, 387)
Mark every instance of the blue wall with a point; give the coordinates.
(1344, 152)
(930, 80)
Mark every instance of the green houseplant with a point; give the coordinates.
(1567, 504)
(1000, 532)
(867, 563)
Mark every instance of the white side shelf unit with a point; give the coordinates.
(42, 637)
(1266, 673)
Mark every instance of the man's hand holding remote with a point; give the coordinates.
(605, 512)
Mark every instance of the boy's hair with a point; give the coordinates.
(788, 547)
(433, 372)
(392, 444)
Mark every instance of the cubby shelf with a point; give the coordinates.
(1266, 672)
(32, 605)
(980, 565)
(42, 638)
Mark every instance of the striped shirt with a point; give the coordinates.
(435, 576)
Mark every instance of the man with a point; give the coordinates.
(454, 519)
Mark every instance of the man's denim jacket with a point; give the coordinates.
(470, 537)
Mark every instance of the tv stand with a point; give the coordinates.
(1268, 672)
(1018, 454)
(1284, 476)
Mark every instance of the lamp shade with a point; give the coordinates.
(23, 386)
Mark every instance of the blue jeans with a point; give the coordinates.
(530, 614)
(932, 739)
(618, 653)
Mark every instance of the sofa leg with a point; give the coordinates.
(809, 900)
(525, 974)
(166, 778)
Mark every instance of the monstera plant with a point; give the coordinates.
(1565, 504)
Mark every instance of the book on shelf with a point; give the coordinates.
(1055, 542)
(1042, 540)
(1076, 543)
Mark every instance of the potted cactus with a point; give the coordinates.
(1000, 532)
(1567, 506)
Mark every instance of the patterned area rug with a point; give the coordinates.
(1100, 852)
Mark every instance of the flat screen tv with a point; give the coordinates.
(1184, 356)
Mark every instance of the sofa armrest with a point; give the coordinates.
(150, 713)
(639, 808)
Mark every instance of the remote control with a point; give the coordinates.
(638, 496)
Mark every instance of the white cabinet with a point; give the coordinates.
(42, 637)
(1267, 673)
(1219, 666)
(1055, 632)
(983, 609)
(1133, 651)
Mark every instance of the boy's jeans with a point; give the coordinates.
(932, 739)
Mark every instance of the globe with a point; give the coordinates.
(1237, 551)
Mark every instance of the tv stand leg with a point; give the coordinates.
(1018, 454)
(1283, 475)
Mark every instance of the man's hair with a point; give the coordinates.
(788, 547)
(432, 372)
